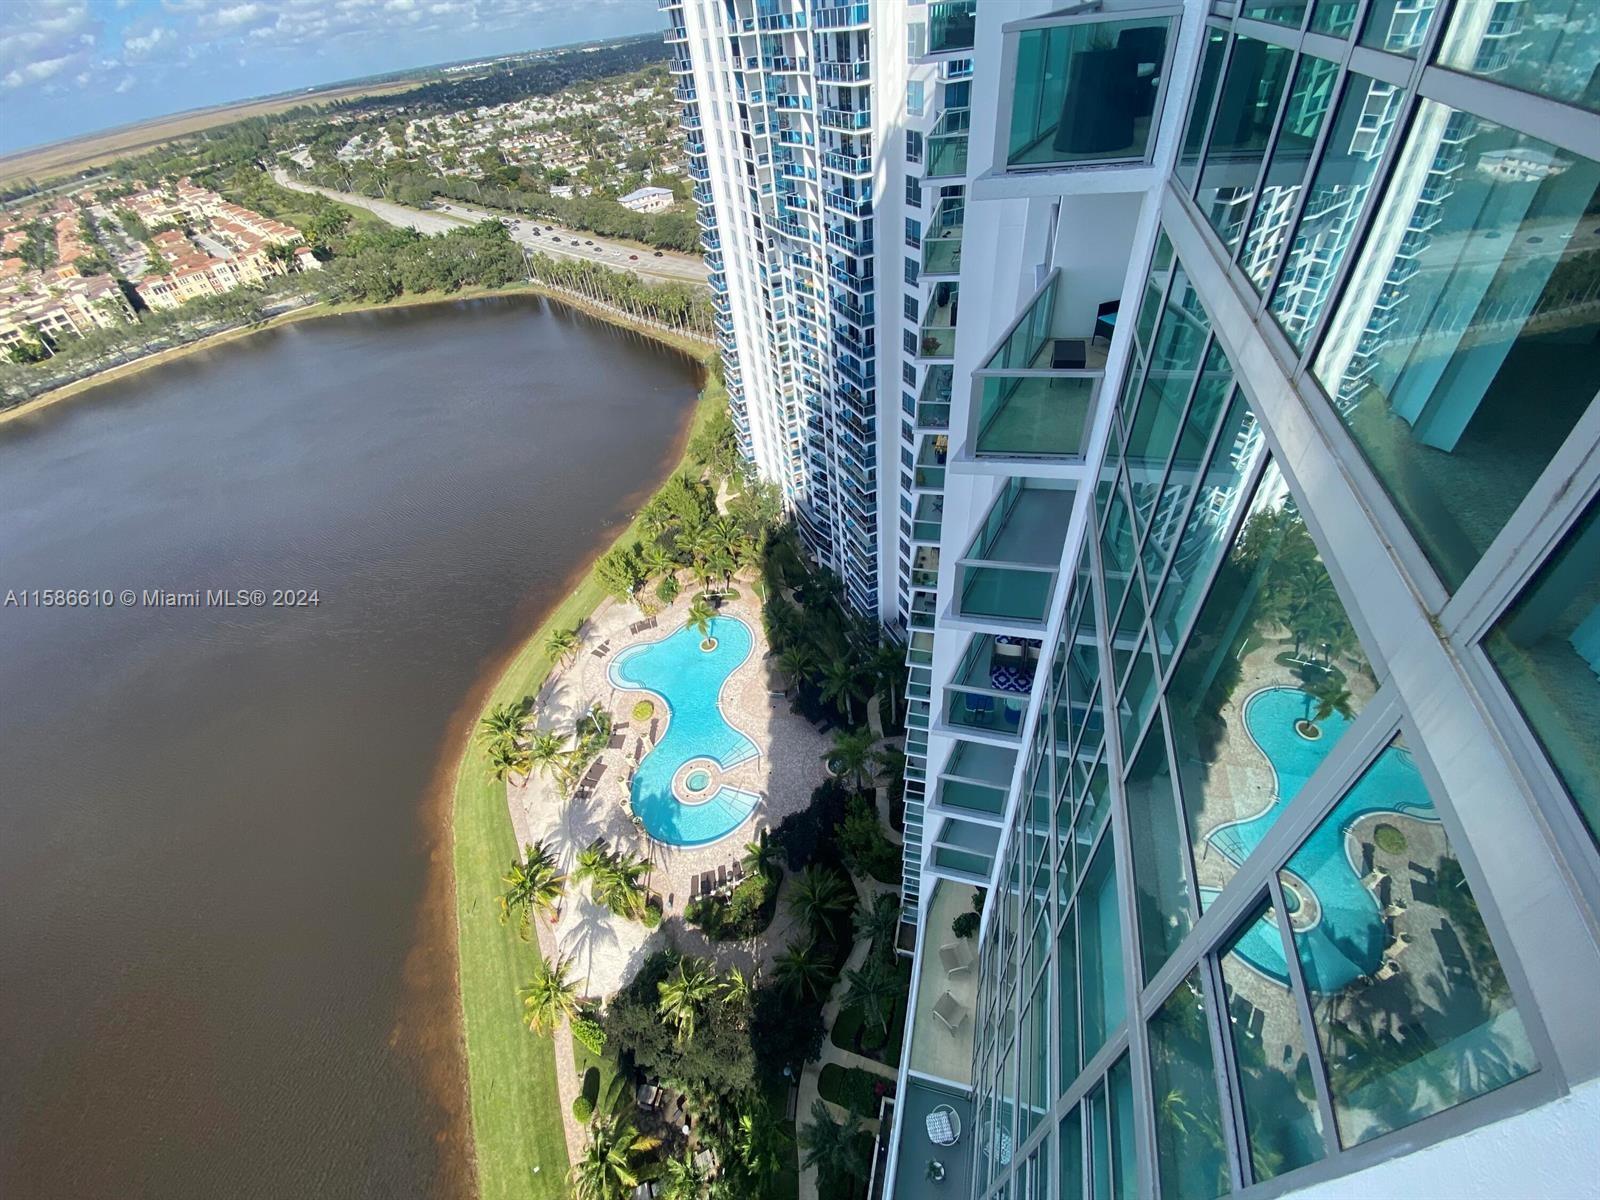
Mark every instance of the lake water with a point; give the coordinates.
(226, 935)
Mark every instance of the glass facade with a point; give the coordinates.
(1551, 47)
(1086, 92)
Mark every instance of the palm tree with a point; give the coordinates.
(801, 971)
(700, 616)
(504, 723)
(736, 989)
(507, 759)
(851, 756)
(798, 663)
(820, 894)
(721, 562)
(682, 1179)
(841, 685)
(832, 1147)
(608, 1169)
(614, 880)
(658, 560)
(888, 665)
(761, 1143)
(1331, 697)
(562, 645)
(761, 856)
(685, 993)
(547, 754)
(879, 922)
(550, 996)
(874, 988)
(533, 885)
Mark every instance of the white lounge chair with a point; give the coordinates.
(956, 957)
(948, 1009)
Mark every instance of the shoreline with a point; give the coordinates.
(322, 310)
(490, 961)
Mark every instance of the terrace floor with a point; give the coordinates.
(936, 1049)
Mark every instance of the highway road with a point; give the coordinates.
(536, 235)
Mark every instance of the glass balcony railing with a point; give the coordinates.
(1037, 390)
(937, 338)
(925, 567)
(984, 711)
(928, 472)
(933, 402)
(941, 241)
(1087, 92)
(928, 518)
(947, 144)
(1009, 572)
(952, 25)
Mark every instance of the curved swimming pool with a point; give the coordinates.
(1348, 937)
(689, 682)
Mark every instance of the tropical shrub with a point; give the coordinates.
(589, 1034)
(643, 710)
(965, 925)
(808, 836)
(582, 1110)
(862, 844)
(742, 915)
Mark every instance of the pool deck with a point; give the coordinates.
(605, 950)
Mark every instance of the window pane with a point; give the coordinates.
(1279, 12)
(1160, 870)
(1397, 26)
(1238, 446)
(1547, 649)
(1086, 91)
(1412, 1009)
(1190, 1155)
(1350, 157)
(1180, 340)
(1334, 17)
(1251, 92)
(1269, 682)
(1067, 1002)
(1205, 91)
(1276, 1089)
(1126, 1164)
(1479, 276)
(1100, 936)
(1071, 1156)
(1216, 378)
(1309, 102)
(1544, 46)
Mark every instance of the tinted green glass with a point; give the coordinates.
(1478, 276)
(1071, 1156)
(1100, 938)
(1279, 12)
(1086, 92)
(1411, 1006)
(1269, 681)
(1366, 118)
(1191, 1157)
(1160, 869)
(1205, 91)
(1252, 90)
(1275, 1087)
(1216, 380)
(1547, 649)
(1309, 101)
(1067, 1002)
(1126, 1163)
(1550, 47)
(1334, 17)
(1398, 26)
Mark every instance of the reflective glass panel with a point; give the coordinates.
(1160, 867)
(1100, 944)
(1251, 92)
(1205, 91)
(1216, 377)
(1125, 1183)
(1309, 102)
(1087, 91)
(1551, 47)
(1270, 680)
(1279, 12)
(1071, 1156)
(1334, 17)
(1350, 155)
(1480, 275)
(1410, 1003)
(1547, 649)
(1067, 1002)
(1191, 1156)
(1275, 1086)
(1397, 26)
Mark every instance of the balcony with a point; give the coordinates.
(967, 847)
(844, 72)
(937, 338)
(925, 567)
(1009, 572)
(1087, 92)
(952, 24)
(1036, 393)
(933, 402)
(850, 206)
(851, 120)
(947, 144)
(989, 690)
(843, 16)
(977, 778)
(941, 241)
(928, 472)
(928, 518)
(924, 612)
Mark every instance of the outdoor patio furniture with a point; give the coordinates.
(694, 888)
(722, 877)
(944, 1126)
(948, 1009)
(956, 957)
(738, 872)
(648, 1095)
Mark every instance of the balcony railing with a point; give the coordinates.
(1009, 572)
(952, 25)
(933, 401)
(937, 337)
(928, 471)
(1037, 391)
(947, 144)
(941, 241)
(844, 16)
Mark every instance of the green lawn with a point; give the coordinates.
(516, 1119)
(851, 1088)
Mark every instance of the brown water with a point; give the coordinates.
(220, 841)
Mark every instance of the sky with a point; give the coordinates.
(69, 67)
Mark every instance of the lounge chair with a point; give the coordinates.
(694, 888)
(956, 957)
(944, 1126)
(722, 877)
(948, 1009)
(738, 872)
